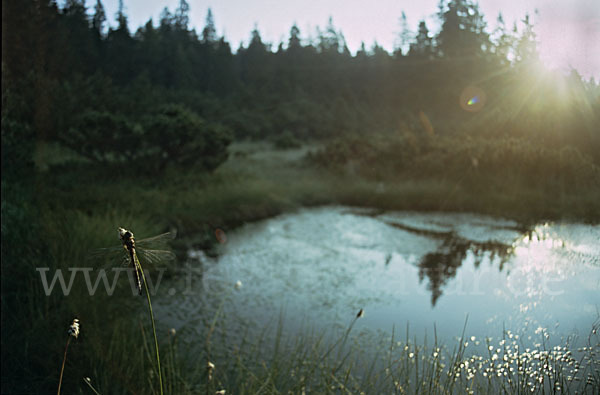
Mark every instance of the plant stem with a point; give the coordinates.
(91, 386)
(153, 325)
(62, 369)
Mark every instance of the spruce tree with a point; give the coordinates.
(99, 18)
(422, 48)
(403, 39)
(209, 33)
(182, 15)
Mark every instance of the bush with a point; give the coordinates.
(18, 142)
(172, 134)
(103, 137)
(368, 155)
(482, 162)
(18, 135)
(177, 135)
(286, 140)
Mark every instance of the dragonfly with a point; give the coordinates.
(149, 250)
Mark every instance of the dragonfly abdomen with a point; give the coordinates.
(135, 265)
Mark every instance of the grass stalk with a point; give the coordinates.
(62, 369)
(73, 333)
(153, 325)
(89, 384)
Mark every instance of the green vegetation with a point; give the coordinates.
(77, 213)
(150, 130)
(502, 177)
(172, 134)
(286, 140)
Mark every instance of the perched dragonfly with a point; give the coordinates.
(149, 250)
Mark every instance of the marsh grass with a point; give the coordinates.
(316, 361)
(70, 211)
(321, 358)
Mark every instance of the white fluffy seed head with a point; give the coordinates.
(74, 328)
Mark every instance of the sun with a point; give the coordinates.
(556, 58)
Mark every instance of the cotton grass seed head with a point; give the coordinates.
(74, 328)
(210, 367)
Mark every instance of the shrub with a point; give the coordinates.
(286, 140)
(482, 162)
(103, 137)
(172, 134)
(370, 155)
(177, 135)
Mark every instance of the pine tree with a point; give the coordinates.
(74, 6)
(463, 30)
(122, 18)
(254, 60)
(503, 42)
(526, 46)
(120, 49)
(294, 40)
(182, 15)
(99, 18)
(256, 43)
(209, 33)
(330, 40)
(167, 20)
(403, 40)
(81, 49)
(423, 46)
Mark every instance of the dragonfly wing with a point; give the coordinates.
(107, 256)
(125, 261)
(149, 250)
(101, 253)
(155, 256)
(156, 242)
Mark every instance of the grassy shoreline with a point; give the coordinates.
(258, 182)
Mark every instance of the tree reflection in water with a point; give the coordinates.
(441, 266)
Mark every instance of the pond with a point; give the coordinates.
(318, 267)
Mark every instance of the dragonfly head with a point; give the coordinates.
(124, 234)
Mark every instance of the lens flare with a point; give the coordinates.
(472, 99)
(426, 123)
(221, 236)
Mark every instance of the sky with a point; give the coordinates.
(568, 31)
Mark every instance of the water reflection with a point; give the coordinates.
(440, 266)
(320, 265)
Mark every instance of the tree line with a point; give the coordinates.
(102, 90)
